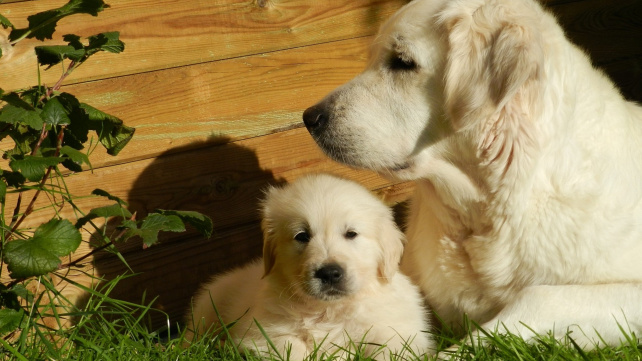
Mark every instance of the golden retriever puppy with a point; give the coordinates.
(329, 278)
(527, 161)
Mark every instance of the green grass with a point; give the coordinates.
(109, 329)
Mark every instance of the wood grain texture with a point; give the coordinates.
(169, 33)
(231, 99)
(223, 181)
(611, 32)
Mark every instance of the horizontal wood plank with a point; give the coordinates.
(225, 101)
(171, 33)
(609, 31)
(224, 182)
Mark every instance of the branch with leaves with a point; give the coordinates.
(49, 130)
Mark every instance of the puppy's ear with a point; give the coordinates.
(269, 246)
(391, 241)
(495, 60)
(269, 230)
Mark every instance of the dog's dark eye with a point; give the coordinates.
(399, 62)
(351, 234)
(302, 237)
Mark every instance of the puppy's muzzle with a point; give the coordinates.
(331, 278)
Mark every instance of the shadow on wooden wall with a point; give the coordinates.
(223, 181)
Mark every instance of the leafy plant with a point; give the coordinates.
(53, 134)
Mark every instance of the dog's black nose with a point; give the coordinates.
(330, 274)
(315, 117)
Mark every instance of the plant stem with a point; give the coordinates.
(96, 250)
(43, 135)
(41, 186)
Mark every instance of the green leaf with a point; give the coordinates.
(75, 158)
(24, 138)
(14, 179)
(21, 291)
(76, 133)
(27, 98)
(103, 193)
(8, 298)
(114, 210)
(12, 114)
(5, 22)
(201, 222)
(51, 55)
(73, 40)
(43, 25)
(10, 320)
(54, 113)
(152, 225)
(76, 51)
(16, 100)
(113, 134)
(33, 167)
(115, 140)
(91, 7)
(41, 254)
(109, 42)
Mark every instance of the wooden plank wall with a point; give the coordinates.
(216, 90)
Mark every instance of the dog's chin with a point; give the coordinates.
(329, 295)
(402, 169)
(326, 293)
(399, 171)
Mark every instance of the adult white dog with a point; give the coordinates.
(527, 162)
(328, 281)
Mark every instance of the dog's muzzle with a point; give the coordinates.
(331, 280)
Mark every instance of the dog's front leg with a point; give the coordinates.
(591, 315)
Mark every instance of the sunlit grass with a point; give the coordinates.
(110, 329)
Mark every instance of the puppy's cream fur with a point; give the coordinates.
(527, 161)
(314, 222)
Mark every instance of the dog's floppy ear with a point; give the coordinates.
(495, 58)
(269, 246)
(269, 231)
(391, 241)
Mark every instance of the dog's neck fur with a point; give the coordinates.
(481, 197)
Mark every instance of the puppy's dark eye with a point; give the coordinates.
(302, 237)
(400, 62)
(351, 234)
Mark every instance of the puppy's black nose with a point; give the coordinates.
(330, 274)
(315, 117)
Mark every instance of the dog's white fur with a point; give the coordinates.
(376, 304)
(527, 161)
